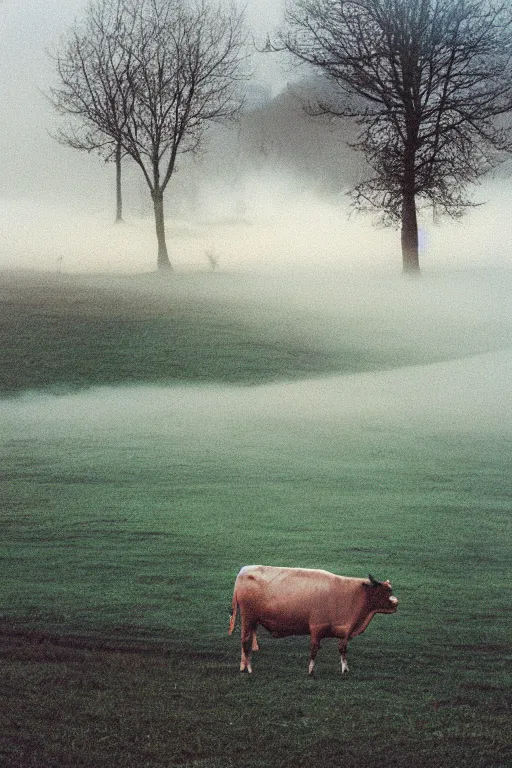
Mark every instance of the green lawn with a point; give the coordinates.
(126, 512)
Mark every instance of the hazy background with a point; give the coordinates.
(269, 193)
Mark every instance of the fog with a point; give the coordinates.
(436, 346)
(243, 472)
(370, 430)
(467, 396)
(33, 165)
(443, 417)
(281, 227)
(269, 200)
(268, 194)
(265, 198)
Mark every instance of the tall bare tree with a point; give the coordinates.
(109, 150)
(170, 67)
(93, 86)
(426, 82)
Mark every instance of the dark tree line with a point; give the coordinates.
(427, 83)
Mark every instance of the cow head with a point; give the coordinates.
(380, 596)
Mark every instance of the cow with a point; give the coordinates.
(305, 601)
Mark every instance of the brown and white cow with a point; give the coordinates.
(303, 601)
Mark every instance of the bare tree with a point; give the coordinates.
(93, 86)
(110, 151)
(185, 71)
(426, 82)
(168, 68)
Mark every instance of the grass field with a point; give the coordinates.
(156, 437)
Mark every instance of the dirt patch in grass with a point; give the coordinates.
(18, 644)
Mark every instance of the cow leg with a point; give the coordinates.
(313, 650)
(245, 661)
(255, 646)
(248, 640)
(342, 645)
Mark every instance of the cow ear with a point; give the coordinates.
(373, 581)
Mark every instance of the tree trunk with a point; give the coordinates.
(119, 197)
(410, 255)
(163, 256)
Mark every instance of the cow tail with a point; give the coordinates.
(232, 618)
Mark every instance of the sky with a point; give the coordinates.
(56, 204)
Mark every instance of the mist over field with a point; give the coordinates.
(269, 193)
(157, 434)
(331, 364)
(285, 396)
(281, 227)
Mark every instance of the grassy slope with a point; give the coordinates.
(72, 333)
(66, 333)
(122, 534)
